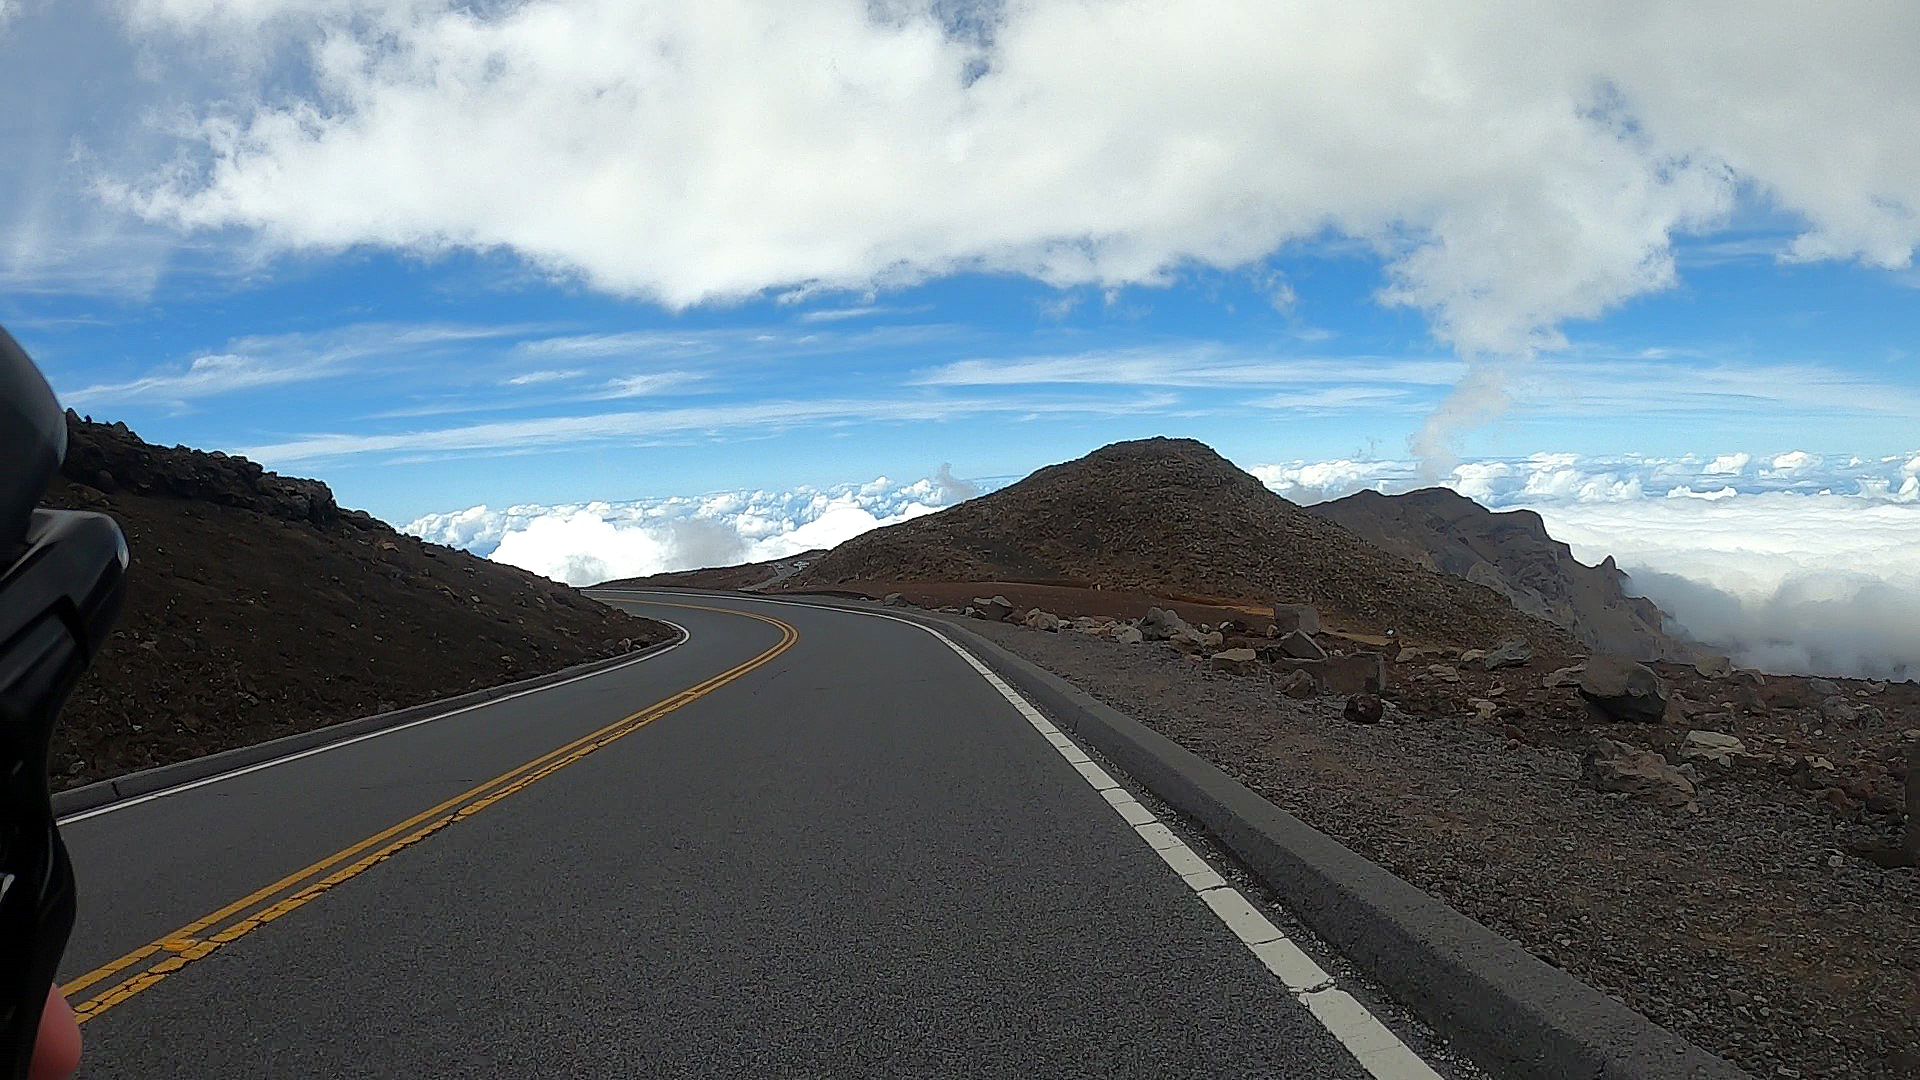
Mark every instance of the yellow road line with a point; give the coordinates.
(186, 945)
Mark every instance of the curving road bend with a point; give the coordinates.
(804, 842)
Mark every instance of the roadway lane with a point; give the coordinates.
(855, 859)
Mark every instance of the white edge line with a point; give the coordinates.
(122, 804)
(1371, 1043)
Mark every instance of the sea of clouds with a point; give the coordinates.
(1793, 562)
(1790, 562)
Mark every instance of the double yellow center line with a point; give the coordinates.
(204, 936)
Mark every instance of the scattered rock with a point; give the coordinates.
(1713, 666)
(1129, 635)
(1443, 673)
(1813, 773)
(1838, 710)
(1042, 620)
(1235, 661)
(1195, 638)
(894, 599)
(1356, 673)
(1483, 708)
(993, 609)
(1300, 646)
(1299, 683)
(1824, 688)
(1639, 774)
(1363, 709)
(1514, 652)
(1621, 689)
(1288, 618)
(1473, 656)
(1566, 676)
(1161, 624)
(1711, 747)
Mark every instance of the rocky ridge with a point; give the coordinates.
(1511, 553)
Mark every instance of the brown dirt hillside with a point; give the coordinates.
(257, 607)
(1511, 553)
(1171, 517)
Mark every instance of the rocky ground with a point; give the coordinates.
(1730, 887)
(256, 607)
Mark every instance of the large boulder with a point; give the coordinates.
(1639, 774)
(1235, 661)
(1623, 690)
(1514, 652)
(1129, 635)
(1290, 617)
(1299, 645)
(1356, 673)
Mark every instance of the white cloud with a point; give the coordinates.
(1794, 461)
(556, 431)
(250, 363)
(594, 542)
(1517, 165)
(1728, 465)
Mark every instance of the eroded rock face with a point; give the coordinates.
(1640, 774)
(1622, 690)
(1511, 553)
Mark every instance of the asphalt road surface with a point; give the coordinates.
(810, 843)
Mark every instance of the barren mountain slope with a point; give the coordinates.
(1511, 553)
(257, 607)
(744, 577)
(1172, 517)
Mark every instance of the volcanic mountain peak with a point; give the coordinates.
(1172, 516)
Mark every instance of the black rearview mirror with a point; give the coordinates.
(33, 439)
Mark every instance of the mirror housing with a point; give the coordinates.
(33, 441)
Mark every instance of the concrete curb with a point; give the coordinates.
(1514, 1014)
(147, 781)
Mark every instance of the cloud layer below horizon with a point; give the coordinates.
(1790, 562)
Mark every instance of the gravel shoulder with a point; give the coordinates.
(1744, 923)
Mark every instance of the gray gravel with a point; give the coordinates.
(1741, 925)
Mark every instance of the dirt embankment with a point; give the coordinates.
(257, 607)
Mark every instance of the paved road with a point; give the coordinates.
(854, 858)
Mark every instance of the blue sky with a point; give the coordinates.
(472, 371)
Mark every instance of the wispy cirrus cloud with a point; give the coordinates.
(562, 431)
(256, 362)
